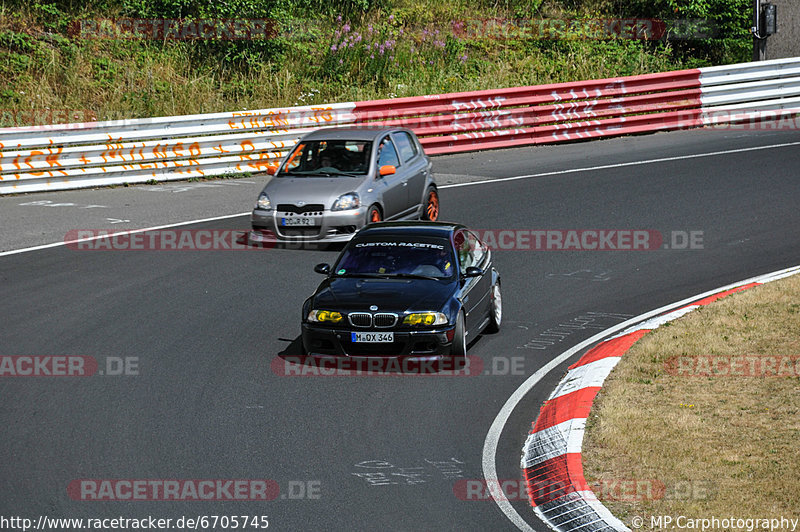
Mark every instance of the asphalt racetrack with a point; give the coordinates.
(201, 332)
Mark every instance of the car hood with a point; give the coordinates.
(389, 295)
(323, 190)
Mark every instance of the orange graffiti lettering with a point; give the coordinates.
(322, 112)
(31, 156)
(52, 159)
(245, 144)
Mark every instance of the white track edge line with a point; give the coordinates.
(621, 165)
(121, 232)
(493, 435)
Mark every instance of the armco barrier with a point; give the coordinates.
(551, 459)
(139, 150)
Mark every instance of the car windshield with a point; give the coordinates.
(411, 257)
(328, 158)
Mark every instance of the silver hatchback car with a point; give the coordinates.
(337, 180)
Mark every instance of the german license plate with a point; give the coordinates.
(372, 337)
(299, 220)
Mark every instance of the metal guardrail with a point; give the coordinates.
(132, 151)
(748, 92)
(90, 154)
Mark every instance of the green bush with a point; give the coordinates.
(727, 22)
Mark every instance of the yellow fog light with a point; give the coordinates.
(327, 316)
(425, 318)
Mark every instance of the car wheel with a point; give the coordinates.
(496, 312)
(430, 209)
(374, 214)
(458, 349)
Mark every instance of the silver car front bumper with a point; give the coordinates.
(330, 226)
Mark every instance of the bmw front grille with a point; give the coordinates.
(379, 320)
(385, 319)
(360, 319)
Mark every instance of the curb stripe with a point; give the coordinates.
(586, 376)
(612, 348)
(574, 405)
(565, 437)
(554, 478)
(711, 299)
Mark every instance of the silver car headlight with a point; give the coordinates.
(346, 202)
(263, 202)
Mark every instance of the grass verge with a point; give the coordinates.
(700, 418)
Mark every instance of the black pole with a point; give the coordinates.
(759, 41)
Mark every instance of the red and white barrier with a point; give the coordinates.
(133, 151)
(551, 460)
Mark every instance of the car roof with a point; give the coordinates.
(351, 133)
(416, 228)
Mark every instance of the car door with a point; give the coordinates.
(474, 290)
(482, 291)
(393, 187)
(415, 167)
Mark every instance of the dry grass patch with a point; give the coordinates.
(719, 445)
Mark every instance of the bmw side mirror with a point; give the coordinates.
(272, 170)
(473, 271)
(323, 268)
(387, 169)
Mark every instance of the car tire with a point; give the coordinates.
(430, 206)
(374, 214)
(496, 310)
(458, 349)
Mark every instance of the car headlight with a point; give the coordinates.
(346, 202)
(263, 202)
(325, 316)
(425, 318)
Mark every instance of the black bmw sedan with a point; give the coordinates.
(410, 290)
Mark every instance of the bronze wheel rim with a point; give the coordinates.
(375, 216)
(432, 209)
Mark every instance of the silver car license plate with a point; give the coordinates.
(372, 337)
(300, 220)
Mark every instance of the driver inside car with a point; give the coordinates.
(326, 159)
